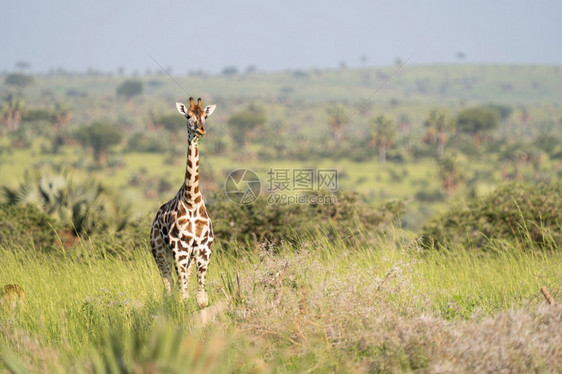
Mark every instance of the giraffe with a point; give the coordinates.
(182, 226)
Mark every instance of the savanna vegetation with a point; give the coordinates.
(429, 255)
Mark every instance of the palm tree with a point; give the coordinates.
(10, 114)
(337, 120)
(62, 115)
(439, 126)
(83, 205)
(383, 134)
(450, 172)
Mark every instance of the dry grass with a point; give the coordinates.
(514, 341)
(12, 298)
(361, 317)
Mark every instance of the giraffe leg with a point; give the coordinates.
(202, 257)
(184, 267)
(159, 253)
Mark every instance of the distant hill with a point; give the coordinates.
(444, 85)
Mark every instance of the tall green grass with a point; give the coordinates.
(314, 305)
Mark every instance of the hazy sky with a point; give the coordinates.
(274, 35)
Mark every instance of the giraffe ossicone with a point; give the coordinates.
(182, 226)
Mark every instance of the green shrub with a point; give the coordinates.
(25, 225)
(19, 80)
(146, 142)
(430, 196)
(130, 88)
(124, 244)
(515, 212)
(271, 220)
(82, 205)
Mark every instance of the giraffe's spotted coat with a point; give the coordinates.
(182, 226)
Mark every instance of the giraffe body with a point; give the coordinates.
(182, 226)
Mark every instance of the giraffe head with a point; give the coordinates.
(196, 116)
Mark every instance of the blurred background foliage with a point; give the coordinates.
(98, 153)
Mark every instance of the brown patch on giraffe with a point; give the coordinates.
(189, 228)
(175, 232)
(189, 164)
(198, 199)
(186, 240)
(155, 233)
(182, 257)
(203, 254)
(159, 241)
(188, 196)
(204, 241)
(196, 189)
(182, 222)
(203, 212)
(199, 226)
(187, 174)
(181, 210)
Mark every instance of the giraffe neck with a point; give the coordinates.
(191, 194)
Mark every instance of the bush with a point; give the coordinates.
(99, 135)
(504, 111)
(25, 225)
(478, 120)
(430, 196)
(19, 80)
(130, 88)
(123, 244)
(146, 142)
(516, 212)
(38, 115)
(241, 123)
(82, 205)
(266, 220)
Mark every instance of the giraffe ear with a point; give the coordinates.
(209, 109)
(181, 108)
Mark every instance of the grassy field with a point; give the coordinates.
(374, 181)
(353, 300)
(361, 303)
